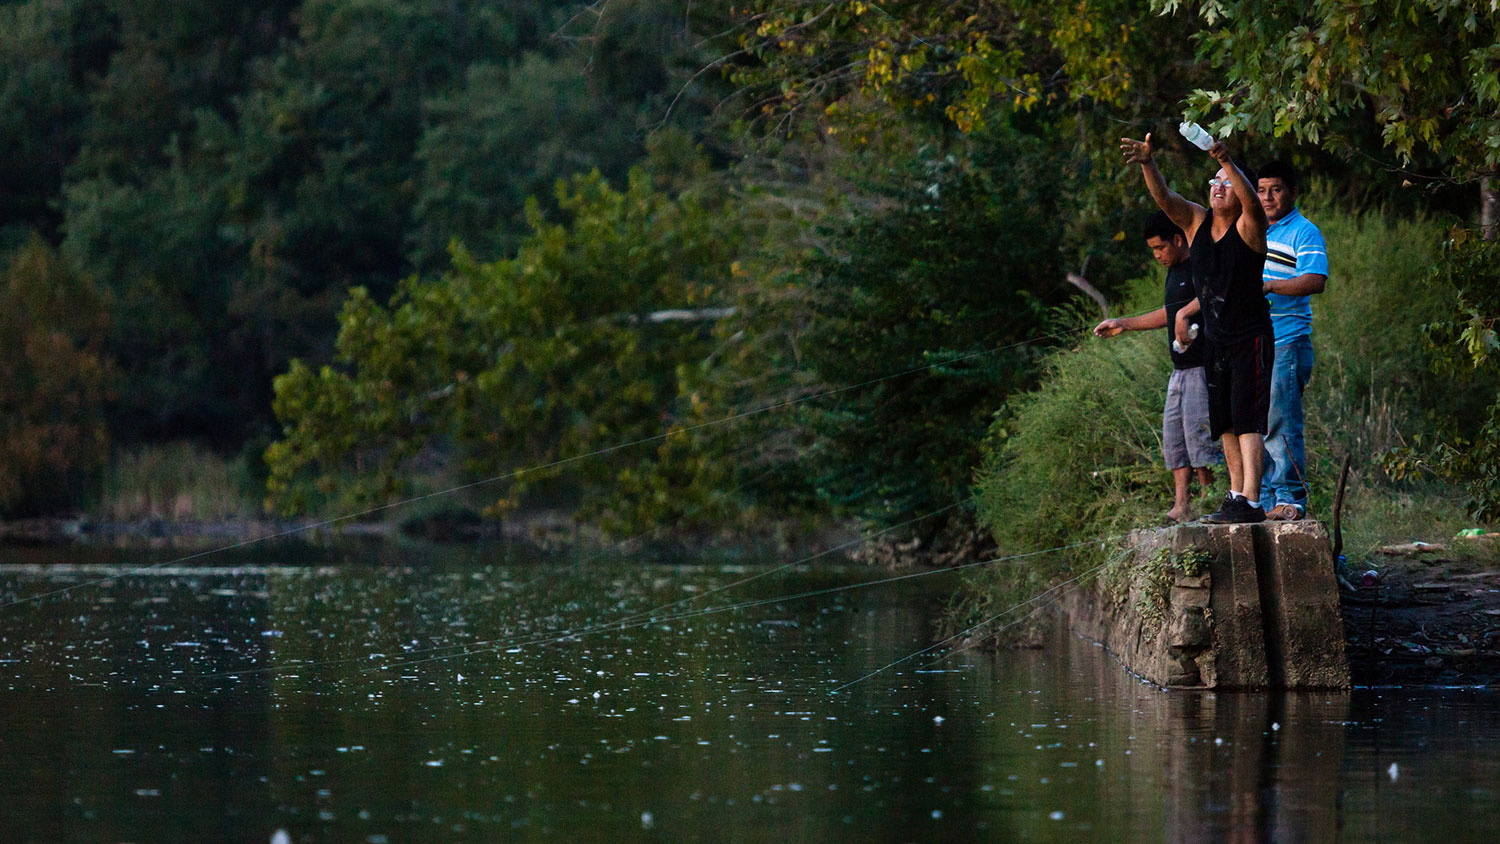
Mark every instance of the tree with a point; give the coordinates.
(945, 280)
(47, 52)
(1427, 72)
(1467, 351)
(966, 62)
(512, 366)
(54, 381)
(509, 134)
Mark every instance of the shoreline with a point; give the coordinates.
(1424, 619)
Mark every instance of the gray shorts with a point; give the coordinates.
(1185, 438)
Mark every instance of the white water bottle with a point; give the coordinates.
(1192, 335)
(1196, 135)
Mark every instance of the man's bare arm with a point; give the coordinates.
(1253, 222)
(1111, 327)
(1182, 212)
(1184, 319)
(1303, 285)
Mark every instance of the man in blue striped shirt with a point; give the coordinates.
(1296, 269)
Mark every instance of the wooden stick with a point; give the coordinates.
(1338, 512)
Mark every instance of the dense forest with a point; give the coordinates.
(702, 265)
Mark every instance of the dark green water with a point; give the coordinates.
(324, 698)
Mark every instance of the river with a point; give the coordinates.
(387, 694)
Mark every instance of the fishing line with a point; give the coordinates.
(633, 620)
(841, 546)
(540, 578)
(537, 468)
(934, 646)
(490, 647)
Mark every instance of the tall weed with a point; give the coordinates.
(1079, 457)
(175, 481)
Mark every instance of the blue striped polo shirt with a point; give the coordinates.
(1294, 247)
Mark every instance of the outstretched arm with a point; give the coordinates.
(1185, 214)
(1111, 327)
(1252, 223)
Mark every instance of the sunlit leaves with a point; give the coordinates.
(1427, 70)
(963, 59)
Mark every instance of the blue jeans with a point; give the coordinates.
(1286, 461)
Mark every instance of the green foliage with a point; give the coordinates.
(959, 61)
(54, 381)
(1464, 347)
(1372, 390)
(1080, 456)
(227, 173)
(527, 362)
(1427, 72)
(1193, 561)
(943, 280)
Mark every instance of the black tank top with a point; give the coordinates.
(1179, 292)
(1228, 276)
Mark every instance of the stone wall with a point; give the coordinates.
(1264, 612)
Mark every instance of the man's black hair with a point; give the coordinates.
(1279, 170)
(1160, 225)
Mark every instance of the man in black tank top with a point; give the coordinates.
(1227, 241)
(1187, 444)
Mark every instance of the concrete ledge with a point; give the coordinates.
(1263, 613)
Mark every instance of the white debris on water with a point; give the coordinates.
(647, 821)
(281, 836)
(1394, 771)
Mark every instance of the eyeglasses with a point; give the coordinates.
(1216, 182)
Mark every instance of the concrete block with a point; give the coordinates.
(1265, 614)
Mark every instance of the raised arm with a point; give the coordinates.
(1186, 214)
(1253, 222)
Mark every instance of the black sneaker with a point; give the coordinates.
(1220, 516)
(1236, 512)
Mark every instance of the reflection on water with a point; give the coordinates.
(328, 699)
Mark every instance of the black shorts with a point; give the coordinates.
(1239, 386)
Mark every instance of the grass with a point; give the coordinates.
(182, 482)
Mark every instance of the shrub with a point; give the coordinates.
(53, 381)
(1080, 456)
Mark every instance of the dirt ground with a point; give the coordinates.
(1423, 617)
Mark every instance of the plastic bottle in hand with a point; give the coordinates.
(1196, 135)
(1192, 335)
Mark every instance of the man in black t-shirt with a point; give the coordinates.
(1227, 245)
(1187, 444)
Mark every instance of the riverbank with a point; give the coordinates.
(540, 529)
(1423, 615)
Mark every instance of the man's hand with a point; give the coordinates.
(1220, 153)
(1136, 152)
(1181, 330)
(1109, 328)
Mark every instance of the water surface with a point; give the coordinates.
(477, 694)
